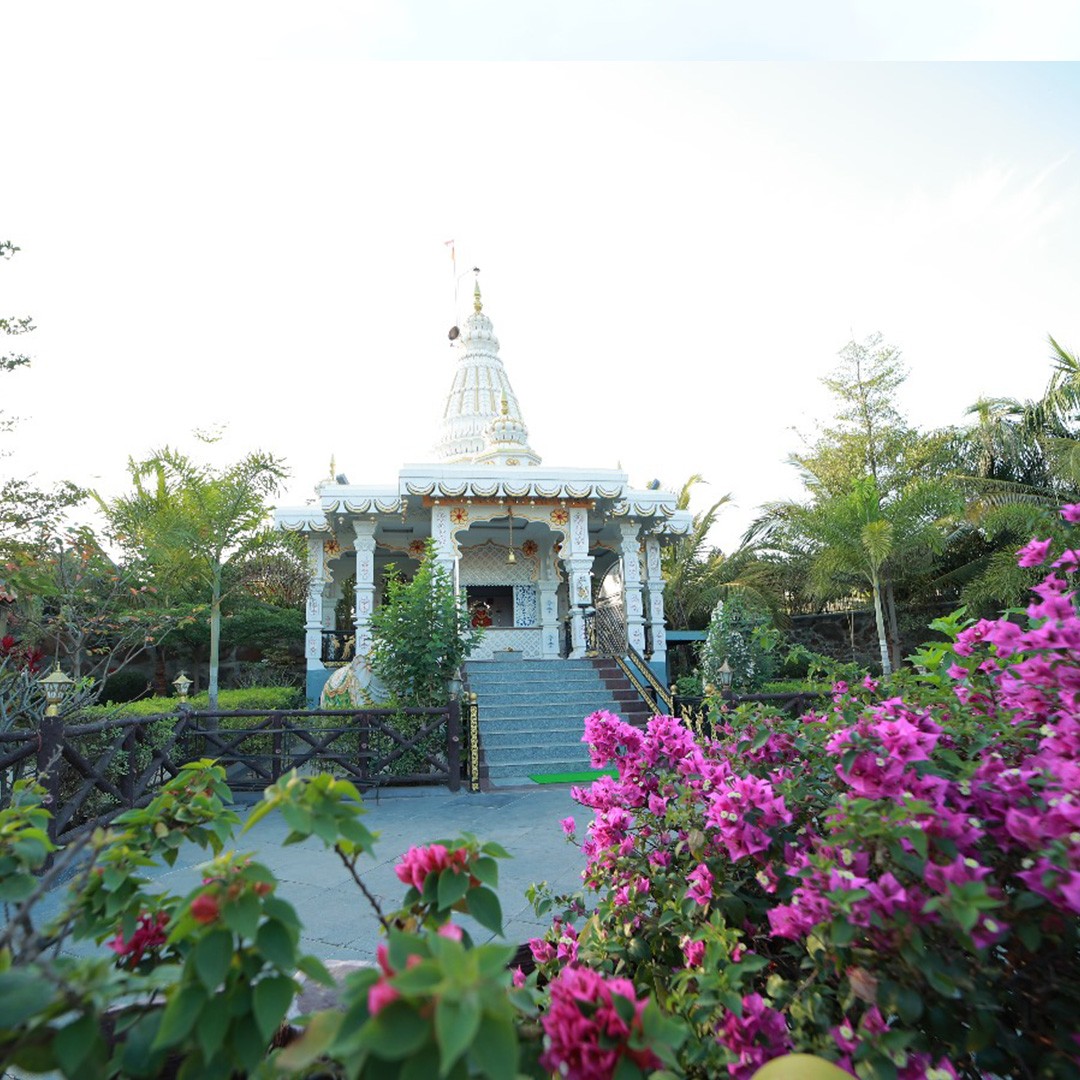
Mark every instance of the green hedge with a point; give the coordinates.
(257, 697)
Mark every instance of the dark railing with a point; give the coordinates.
(92, 771)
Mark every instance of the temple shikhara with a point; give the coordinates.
(557, 563)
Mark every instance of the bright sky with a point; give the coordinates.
(235, 213)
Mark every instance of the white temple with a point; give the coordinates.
(555, 562)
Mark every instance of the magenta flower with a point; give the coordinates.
(1071, 513)
(586, 1035)
(568, 827)
(1034, 552)
(756, 1037)
(418, 862)
(701, 883)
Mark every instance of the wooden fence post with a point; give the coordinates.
(453, 745)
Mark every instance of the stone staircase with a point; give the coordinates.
(532, 713)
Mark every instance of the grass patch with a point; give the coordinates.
(571, 777)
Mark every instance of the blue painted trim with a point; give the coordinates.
(316, 680)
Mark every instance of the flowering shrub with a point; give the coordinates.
(892, 883)
(887, 888)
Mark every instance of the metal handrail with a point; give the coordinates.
(661, 691)
(637, 684)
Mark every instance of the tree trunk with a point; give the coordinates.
(215, 641)
(161, 681)
(895, 644)
(879, 618)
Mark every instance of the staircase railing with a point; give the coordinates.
(663, 696)
(471, 717)
(645, 692)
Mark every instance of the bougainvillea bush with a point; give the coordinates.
(891, 883)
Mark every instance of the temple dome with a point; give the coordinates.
(482, 419)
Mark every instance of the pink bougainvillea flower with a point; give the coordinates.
(701, 883)
(1071, 513)
(205, 908)
(568, 826)
(1034, 552)
(586, 1034)
(149, 934)
(756, 1037)
(418, 862)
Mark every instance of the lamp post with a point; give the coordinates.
(726, 675)
(183, 685)
(56, 685)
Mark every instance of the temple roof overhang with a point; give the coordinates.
(607, 490)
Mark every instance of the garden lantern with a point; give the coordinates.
(725, 676)
(56, 685)
(183, 685)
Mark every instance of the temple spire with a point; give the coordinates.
(482, 418)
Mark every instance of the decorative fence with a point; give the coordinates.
(696, 713)
(92, 771)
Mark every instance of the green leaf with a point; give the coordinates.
(422, 1065)
(452, 887)
(395, 1032)
(485, 908)
(496, 850)
(270, 1002)
(495, 1048)
(180, 1015)
(242, 914)
(456, 1024)
(74, 1043)
(22, 994)
(487, 871)
(276, 943)
(210, 1031)
(212, 957)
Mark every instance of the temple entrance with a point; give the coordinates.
(609, 622)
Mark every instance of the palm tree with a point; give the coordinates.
(860, 540)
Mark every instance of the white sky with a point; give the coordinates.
(234, 213)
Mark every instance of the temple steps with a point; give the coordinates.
(532, 713)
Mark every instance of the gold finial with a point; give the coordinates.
(505, 406)
(477, 305)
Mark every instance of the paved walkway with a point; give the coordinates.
(338, 921)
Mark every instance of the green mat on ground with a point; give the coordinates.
(585, 777)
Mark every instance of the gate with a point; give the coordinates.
(610, 619)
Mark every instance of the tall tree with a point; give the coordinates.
(862, 468)
(693, 571)
(853, 541)
(191, 521)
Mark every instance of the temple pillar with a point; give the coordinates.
(632, 598)
(654, 581)
(313, 612)
(578, 563)
(547, 587)
(446, 554)
(365, 585)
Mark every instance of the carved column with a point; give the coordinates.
(635, 609)
(445, 550)
(578, 563)
(547, 586)
(313, 614)
(655, 582)
(365, 584)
